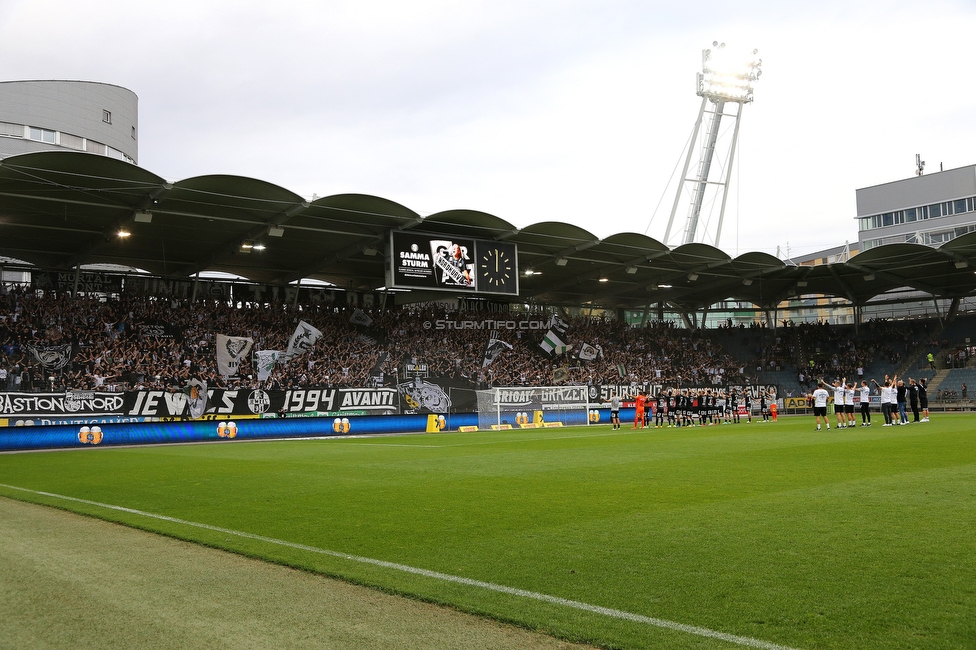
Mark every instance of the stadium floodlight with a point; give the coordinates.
(960, 264)
(123, 233)
(631, 270)
(604, 279)
(561, 261)
(869, 277)
(726, 78)
(692, 277)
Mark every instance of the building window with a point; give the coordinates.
(94, 147)
(43, 135)
(958, 207)
(12, 130)
(72, 141)
(133, 133)
(106, 116)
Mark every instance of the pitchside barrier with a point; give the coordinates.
(144, 433)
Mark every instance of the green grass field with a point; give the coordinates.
(774, 533)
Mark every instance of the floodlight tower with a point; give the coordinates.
(725, 79)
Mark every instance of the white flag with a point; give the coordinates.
(265, 361)
(588, 352)
(359, 317)
(230, 351)
(196, 398)
(302, 340)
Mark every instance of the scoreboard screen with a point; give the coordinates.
(445, 263)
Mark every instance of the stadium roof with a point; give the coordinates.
(63, 209)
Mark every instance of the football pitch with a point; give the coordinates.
(769, 535)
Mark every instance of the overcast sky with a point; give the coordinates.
(575, 110)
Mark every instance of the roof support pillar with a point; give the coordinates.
(74, 287)
(647, 308)
(688, 320)
(938, 312)
(953, 310)
(196, 283)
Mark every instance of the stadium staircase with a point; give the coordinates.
(933, 384)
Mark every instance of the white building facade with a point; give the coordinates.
(930, 209)
(97, 118)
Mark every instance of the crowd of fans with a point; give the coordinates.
(140, 342)
(144, 342)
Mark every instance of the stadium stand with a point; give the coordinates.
(145, 342)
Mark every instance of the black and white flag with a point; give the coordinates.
(231, 350)
(52, 357)
(302, 340)
(554, 342)
(495, 347)
(588, 352)
(359, 317)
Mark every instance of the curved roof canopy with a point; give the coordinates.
(62, 209)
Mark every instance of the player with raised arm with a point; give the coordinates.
(820, 397)
(839, 391)
(865, 391)
(849, 405)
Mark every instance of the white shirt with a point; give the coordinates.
(849, 397)
(839, 395)
(820, 397)
(865, 394)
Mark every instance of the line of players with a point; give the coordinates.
(894, 397)
(692, 407)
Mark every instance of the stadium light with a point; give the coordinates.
(728, 76)
(604, 279)
(123, 233)
(561, 261)
(631, 270)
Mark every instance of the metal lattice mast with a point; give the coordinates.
(723, 80)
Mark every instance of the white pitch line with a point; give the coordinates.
(490, 586)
